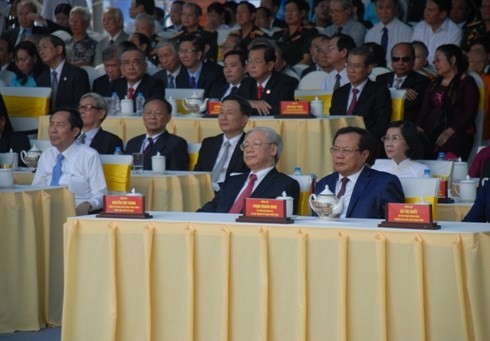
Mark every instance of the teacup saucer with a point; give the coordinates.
(8, 187)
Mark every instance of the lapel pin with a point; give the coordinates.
(267, 91)
(64, 78)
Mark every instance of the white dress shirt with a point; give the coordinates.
(89, 136)
(349, 188)
(81, 172)
(405, 169)
(260, 176)
(332, 77)
(448, 33)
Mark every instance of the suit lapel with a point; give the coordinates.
(361, 183)
(265, 184)
(237, 156)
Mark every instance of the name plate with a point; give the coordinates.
(258, 210)
(124, 206)
(214, 108)
(412, 216)
(292, 109)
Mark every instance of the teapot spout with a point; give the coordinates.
(204, 105)
(337, 209)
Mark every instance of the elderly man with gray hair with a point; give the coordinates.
(83, 47)
(262, 148)
(26, 27)
(342, 14)
(113, 23)
(93, 109)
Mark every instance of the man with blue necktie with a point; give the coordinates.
(68, 163)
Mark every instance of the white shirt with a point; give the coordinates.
(349, 188)
(398, 32)
(58, 70)
(406, 169)
(233, 144)
(360, 87)
(81, 172)
(332, 78)
(260, 176)
(448, 33)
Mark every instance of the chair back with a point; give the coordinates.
(416, 189)
(306, 187)
(397, 104)
(193, 150)
(376, 71)
(316, 80)
(179, 94)
(480, 114)
(63, 35)
(25, 105)
(42, 145)
(311, 95)
(117, 172)
(441, 169)
(92, 73)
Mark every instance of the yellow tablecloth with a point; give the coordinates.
(204, 277)
(172, 191)
(306, 141)
(31, 256)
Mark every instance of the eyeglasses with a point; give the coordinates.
(344, 151)
(394, 138)
(87, 107)
(403, 59)
(254, 145)
(186, 51)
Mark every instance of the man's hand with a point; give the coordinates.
(84, 208)
(411, 94)
(444, 137)
(262, 107)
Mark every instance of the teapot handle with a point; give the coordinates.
(311, 198)
(23, 154)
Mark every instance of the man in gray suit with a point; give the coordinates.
(113, 22)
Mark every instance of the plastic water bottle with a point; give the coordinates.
(118, 151)
(297, 171)
(427, 173)
(140, 101)
(441, 156)
(115, 104)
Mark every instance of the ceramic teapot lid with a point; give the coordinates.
(326, 191)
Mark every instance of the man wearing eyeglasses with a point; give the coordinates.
(405, 77)
(365, 191)
(93, 109)
(261, 151)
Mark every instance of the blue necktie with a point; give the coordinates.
(384, 39)
(171, 84)
(55, 179)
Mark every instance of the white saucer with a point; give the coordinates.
(8, 187)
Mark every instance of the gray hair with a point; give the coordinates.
(147, 18)
(197, 9)
(272, 137)
(86, 15)
(116, 14)
(111, 52)
(100, 102)
(346, 4)
(167, 42)
(34, 5)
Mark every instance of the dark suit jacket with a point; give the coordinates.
(373, 190)
(211, 74)
(219, 89)
(149, 87)
(280, 87)
(414, 81)
(162, 75)
(270, 187)
(105, 43)
(102, 86)
(12, 34)
(374, 105)
(209, 151)
(173, 147)
(480, 211)
(73, 84)
(105, 142)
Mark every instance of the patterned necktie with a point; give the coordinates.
(55, 178)
(384, 39)
(238, 205)
(353, 102)
(233, 90)
(82, 137)
(171, 82)
(193, 82)
(54, 89)
(149, 146)
(260, 88)
(343, 187)
(221, 162)
(130, 93)
(397, 83)
(337, 82)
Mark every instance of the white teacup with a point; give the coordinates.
(466, 190)
(126, 107)
(158, 163)
(6, 177)
(289, 205)
(9, 160)
(316, 108)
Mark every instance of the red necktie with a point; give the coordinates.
(343, 187)
(353, 102)
(130, 93)
(238, 205)
(260, 88)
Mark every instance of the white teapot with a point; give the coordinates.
(326, 204)
(195, 105)
(31, 157)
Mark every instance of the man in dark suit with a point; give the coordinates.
(362, 97)
(9, 139)
(67, 81)
(93, 109)
(261, 150)
(221, 154)
(111, 58)
(266, 88)
(113, 22)
(26, 14)
(170, 64)
(157, 113)
(364, 191)
(135, 79)
(234, 70)
(404, 77)
(200, 74)
(480, 211)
